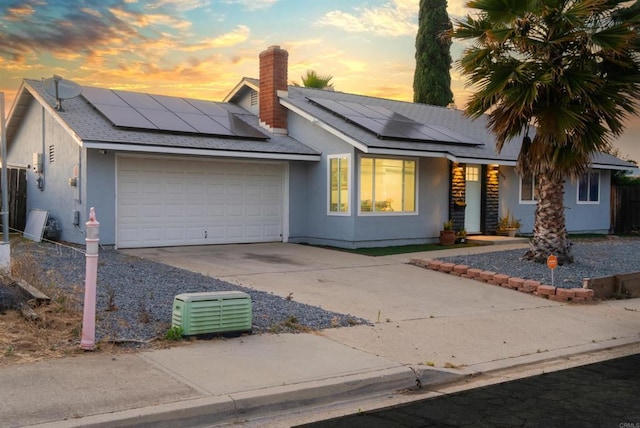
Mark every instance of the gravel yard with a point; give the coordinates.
(593, 259)
(135, 296)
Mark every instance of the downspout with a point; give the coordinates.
(3, 175)
(40, 180)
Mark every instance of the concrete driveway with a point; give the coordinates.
(419, 316)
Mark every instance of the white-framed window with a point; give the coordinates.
(339, 184)
(388, 185)
(528, 189)
(589, 188)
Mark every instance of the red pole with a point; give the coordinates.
(92, 239)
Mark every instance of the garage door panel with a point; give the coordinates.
(235, 232)
(215, 233)
(153, 234)
(215, 211)
(174, 211)
(149, 211)
(235, 210)
(174, 233)
(195, 211)
(162, 202)
(254, 210)
(215, 189)
(235, 189)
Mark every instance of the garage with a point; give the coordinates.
(175, 201)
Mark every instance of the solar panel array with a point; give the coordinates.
(386, 124)
(168, 114)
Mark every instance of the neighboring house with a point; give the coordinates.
(274, 163)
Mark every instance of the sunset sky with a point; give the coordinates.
(202, 48)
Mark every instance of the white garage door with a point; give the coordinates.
(164, 202)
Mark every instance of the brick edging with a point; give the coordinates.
(558, 294)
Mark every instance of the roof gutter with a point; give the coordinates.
(434, 154)
(99, 145)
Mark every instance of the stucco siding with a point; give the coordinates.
(357, 229)
(320, 226)
(101, 191)
(60, 155)
(578, 217)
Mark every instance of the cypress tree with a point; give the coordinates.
(432, 81)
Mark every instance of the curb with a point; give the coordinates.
(236, 407)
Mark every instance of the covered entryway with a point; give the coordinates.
(167, 202)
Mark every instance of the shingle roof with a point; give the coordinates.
(90, 126)
(484, 152)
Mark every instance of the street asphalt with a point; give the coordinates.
(426, 327)
(603, 394)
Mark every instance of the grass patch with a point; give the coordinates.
(576, 236)
(402, 249)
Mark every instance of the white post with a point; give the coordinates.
(92, 239)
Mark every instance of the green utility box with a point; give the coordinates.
(212, 312)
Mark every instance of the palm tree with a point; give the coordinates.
(314, 80)
(562, 76)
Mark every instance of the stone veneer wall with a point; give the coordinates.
(458, 194)
(491, 195)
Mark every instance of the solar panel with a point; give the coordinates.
(166, 120)
(103, 96)
(138, 101)
(176, 105)
(387, 124)
(365, 111)
(125, 117)
(161, 113)
(208, 108)
(203, 124)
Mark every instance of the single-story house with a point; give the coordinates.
(274, 162)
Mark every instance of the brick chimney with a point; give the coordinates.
(273, 78)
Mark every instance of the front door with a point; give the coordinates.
(473, 192)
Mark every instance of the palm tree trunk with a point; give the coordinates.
(549, 230)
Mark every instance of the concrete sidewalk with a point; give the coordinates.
(425, 325)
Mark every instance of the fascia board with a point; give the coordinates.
(198, 152)
(238, 88)
(432, 154)
(52, 111)
(613, 167)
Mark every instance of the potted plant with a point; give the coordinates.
(447, 234)
(508, 225)
(461, 236)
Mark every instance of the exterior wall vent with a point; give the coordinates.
(254, 98)
(52, 153)
(212, 312)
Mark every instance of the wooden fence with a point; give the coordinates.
(625, 209)
(17, 189)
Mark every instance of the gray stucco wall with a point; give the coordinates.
(56, 196)
(101, 191)
(592, 218)
(364, 230)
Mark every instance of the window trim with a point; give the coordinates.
(533, 201)
(588, 202)
(389, 213)
(349, 183)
